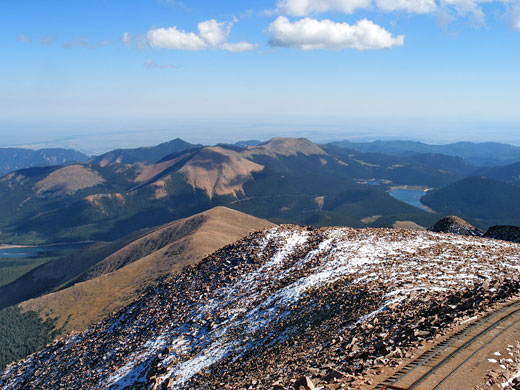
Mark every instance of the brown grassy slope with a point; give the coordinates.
(68, 180)
(84, 303)
(219, 170)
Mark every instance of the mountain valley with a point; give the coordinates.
(12, 159)
(189, 275)
(284, 180)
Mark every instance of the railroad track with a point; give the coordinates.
(482, 326)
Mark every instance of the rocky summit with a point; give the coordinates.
(456, 225)
(285, 308)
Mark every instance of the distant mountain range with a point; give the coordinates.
(479, 198)
(284, 180)
(145, 155)
(508, 173)
(12, 159)
(478, 154)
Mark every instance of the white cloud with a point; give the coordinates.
(238, 47)
(211, 35)
(213, 32)
(414, 6)
(307, 7)
(468, 8)
(445, 17)
(22, 38)
(312, 34)
(445, 10)
(171, 38)
(138, 41)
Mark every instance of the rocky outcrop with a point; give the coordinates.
(288, 308)
(505, 233)
(455, 225)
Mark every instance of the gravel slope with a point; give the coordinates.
(268, 307)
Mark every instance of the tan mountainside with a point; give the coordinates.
(213, 169)
(287, 147)
(151, 171)
(219, 171)
(116, 281)
(68, 180)
(223, 171)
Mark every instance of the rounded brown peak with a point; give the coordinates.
(287, 147)
(456, 225)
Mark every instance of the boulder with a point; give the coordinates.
(334, 374)
(455, 225)
(304, 383)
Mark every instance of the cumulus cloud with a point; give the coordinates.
(238, 47)
(139, 41)
(515, 16)
(413, 6)
(468, 8)
(22, 38)
(213, 32)
(171, 38)
(312, 34)
(307, 7)
(210, 35)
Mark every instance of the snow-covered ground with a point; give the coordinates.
(255, 294)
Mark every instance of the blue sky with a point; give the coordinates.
(436, 70)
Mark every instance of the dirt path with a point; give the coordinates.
(461, 359)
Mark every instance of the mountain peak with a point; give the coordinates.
(456, 225)
(287, 147)
(114, 281)
(143, 155)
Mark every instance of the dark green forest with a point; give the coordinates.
(22, 333)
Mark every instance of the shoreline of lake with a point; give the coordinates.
(8, 251)
(411, 195)
(413, 188)
(9, 246)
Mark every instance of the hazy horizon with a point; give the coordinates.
(92, 138)
(428, 70)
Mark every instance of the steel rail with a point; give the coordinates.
(475, 352)
(426, 356)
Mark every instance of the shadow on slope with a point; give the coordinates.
(117, 280)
